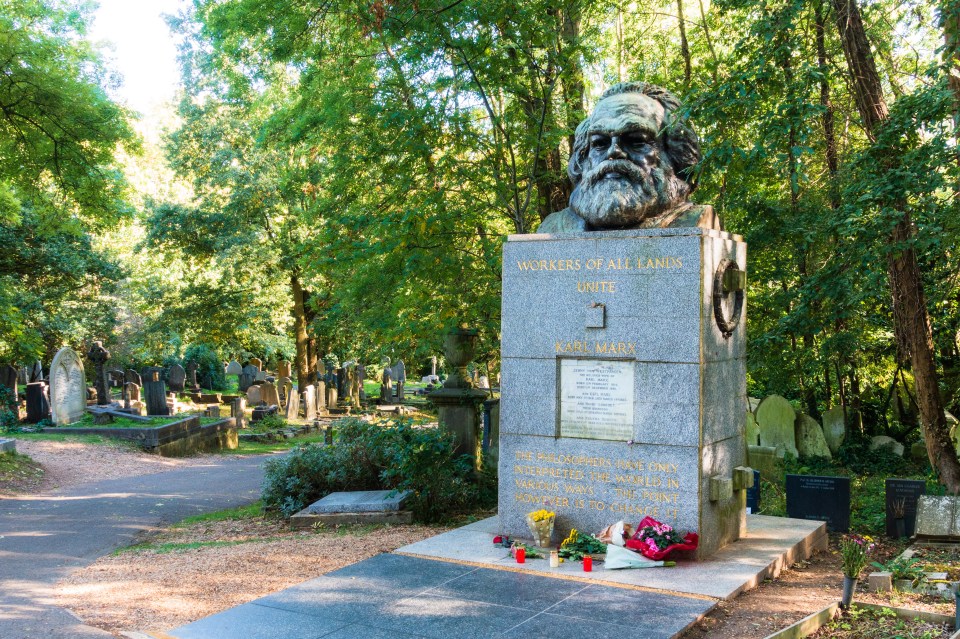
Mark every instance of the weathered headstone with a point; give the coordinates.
(177, 378)
(133, 391)
(117, 378)
(68, 387)
(293, 406)
(253, 395)
(321, 387)
(269, 394)
(247, 378)
(256, 363)
(35, 373)
(809, 438)
(433, 365)
(284, 368)
(918, 450)
(341, 381)
(776, 419)
(310, 402)
(361, 377)
(234, 368)
(284, 388)
(902, 496)
(237, 408)
(261, 376)
(882, 441)
(764, 459)
(400, 377)
(820, 498)
(753, 430)
(834, 428)
(386, 387)
(262, 411)
(192, 384)
(938, 518)
(38, 404)
(98, 355)
(134, 376)
(155, 391)
(8, 379)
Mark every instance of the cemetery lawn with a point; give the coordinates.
(209, 563)
(863, 623)
(19, 473)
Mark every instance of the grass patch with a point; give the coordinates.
(170, 547)
(80, 438)
(249, 511)
(16, 468)
(865, 623)
(259, 448)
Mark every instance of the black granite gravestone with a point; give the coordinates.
(177, 378)
(902, 497)
(820, 498)
(753, 494)
(155, 391)
(38, 406)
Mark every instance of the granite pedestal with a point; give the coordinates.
(624, 381)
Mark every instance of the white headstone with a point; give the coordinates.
(834, 427)
(234, 368)
(776, 419)
(68, 387)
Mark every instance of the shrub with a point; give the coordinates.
(209, 366)
(379, 456)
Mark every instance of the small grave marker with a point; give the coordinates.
(753, 494)
(820, 498)
(904, 493)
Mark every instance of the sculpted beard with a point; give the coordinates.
(637, 196)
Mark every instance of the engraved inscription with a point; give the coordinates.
(596, 399)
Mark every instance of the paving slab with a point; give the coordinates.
(770, 545)
(393, 595)
(360, 501)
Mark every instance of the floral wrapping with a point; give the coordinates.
(541, 527)
(650, 530)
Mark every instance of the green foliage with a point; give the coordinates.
(869, 623)
(370, 456)
(903, 568)
(210, 373)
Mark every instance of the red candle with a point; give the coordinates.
(587, 563)
(521, 555)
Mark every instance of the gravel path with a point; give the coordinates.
(44, 537)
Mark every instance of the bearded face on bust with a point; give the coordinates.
(630, 163)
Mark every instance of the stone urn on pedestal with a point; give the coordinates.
(457, 401)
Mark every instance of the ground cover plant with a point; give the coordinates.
(18, 472)
(868, 623)
(394, 454)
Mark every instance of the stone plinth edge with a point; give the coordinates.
(305, 519)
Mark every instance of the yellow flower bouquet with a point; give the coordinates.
(541, 523)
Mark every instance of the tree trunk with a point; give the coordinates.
(300, 328)
(684, 46)
(911, 320)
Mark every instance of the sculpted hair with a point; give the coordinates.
(680, 144)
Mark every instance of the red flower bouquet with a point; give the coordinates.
(656, 541)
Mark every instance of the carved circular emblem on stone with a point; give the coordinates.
(728, 308)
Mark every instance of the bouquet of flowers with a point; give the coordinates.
(578, 544)
(541, 523)
(854, 550)
(655, 540)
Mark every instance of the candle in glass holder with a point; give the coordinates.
(554, 559)
(587, 563)
(521, 555)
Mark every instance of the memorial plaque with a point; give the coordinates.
(753, 494)
(903, 494)
(820, 498)
(596, 399)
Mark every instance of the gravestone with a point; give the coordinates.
(269, 394)
(834, 428)
(253, 395)
(623, 362)
(177, 378)
(753, 494)
(8, 379)
(261, 376)
(902, 496)
(400, 377)
(776, 419)
(310, 402)
(192, 384)
(38, 404)
(283, 368)
(35, 373)
(484, 383)
(361, 376)
(133, 391)
(262, 411)
(809, 437)
(237, 408)
(764, 459)
(321, 387)
(98, 355)
(938, 518)
(68, 387)
(293, 406)
(386, 387)
(234, 368)
(433, 366)
(247, 378)
(155, 391)
(117, 378)
(821, 499)
(752, 429)
(284, 388)
(341, 383)
(134, 376)
(256, 363)
(883, 441)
